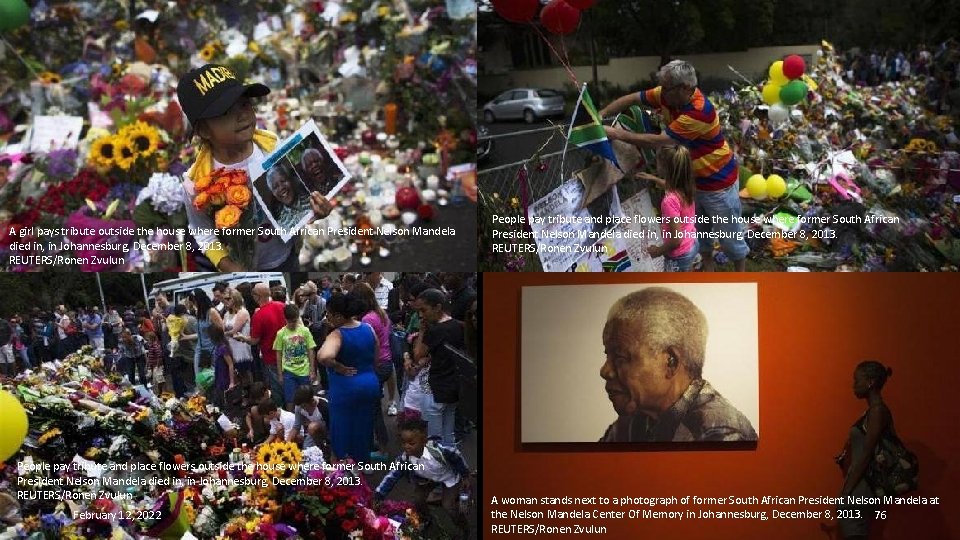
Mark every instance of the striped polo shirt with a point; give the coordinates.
(696, 125)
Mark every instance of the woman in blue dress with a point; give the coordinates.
(348, 353)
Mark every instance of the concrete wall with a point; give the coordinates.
(625, 72)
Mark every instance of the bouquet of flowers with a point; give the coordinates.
(279, 460)
(225, 195)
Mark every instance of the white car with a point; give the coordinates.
(530, 104)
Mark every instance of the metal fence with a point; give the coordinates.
(543, 175)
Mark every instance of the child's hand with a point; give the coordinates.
(320, 205)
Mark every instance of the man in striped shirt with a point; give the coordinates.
(692, 120)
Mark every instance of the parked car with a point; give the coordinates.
(530, 104)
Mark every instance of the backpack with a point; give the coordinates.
(893, 470)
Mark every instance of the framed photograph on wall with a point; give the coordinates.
(639, 363)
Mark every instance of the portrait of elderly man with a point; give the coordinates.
(655, 345)
(317, 169)
(292, 202)
(690, 119)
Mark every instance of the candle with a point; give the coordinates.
(408, 218)
(365, 260)
(442, 201)
(390, 118)
(388, 229)
(343, 258)
(353, 248)
(376, 218)
(429, 195)
(384, 252)
(433, 182)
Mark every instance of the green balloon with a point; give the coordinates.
(13, 14)
(793, 92)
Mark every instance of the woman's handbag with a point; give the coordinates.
(894, 470)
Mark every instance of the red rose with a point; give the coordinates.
(341, 510)
(349, 524)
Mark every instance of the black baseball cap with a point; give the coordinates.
(210, 91)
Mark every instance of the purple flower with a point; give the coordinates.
(62, 163)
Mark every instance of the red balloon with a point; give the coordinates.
(560, 17)
(581, 4)
(518, 11)
(793, 66)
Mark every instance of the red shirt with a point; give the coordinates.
(266, 322)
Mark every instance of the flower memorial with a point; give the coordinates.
(378, 76)
(168, 458)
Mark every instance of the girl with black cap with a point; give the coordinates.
(220, 110)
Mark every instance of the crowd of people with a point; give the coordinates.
(308, 365)
(940, 67)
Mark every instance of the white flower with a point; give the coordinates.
(164, 193)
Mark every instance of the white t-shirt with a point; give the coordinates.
(285, 423)
(271, 251)
(434, 470)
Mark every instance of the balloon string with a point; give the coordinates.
(24, 62)
(565, 64)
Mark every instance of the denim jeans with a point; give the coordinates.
(290, 384)
(683, 263)
(722, 204)
(440, 419)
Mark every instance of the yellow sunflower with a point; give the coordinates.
(207, 53)
(103, 152)
(126, 153)
(145, 138)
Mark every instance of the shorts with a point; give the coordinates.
(724, 203)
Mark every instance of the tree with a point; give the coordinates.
(631, 27)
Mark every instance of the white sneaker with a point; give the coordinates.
(392, 409)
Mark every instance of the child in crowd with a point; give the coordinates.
(281, 421)
(222, 114)
(133, 356)
(435, 465)
(257, 427)
(204, 378)
(308, 418)
(296, 357)
(224, 374)
(679, 248)
(155, 363)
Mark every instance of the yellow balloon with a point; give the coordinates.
(13, 425)
(757, 186)
(776, 74)
(771, 93)
(776, 186)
